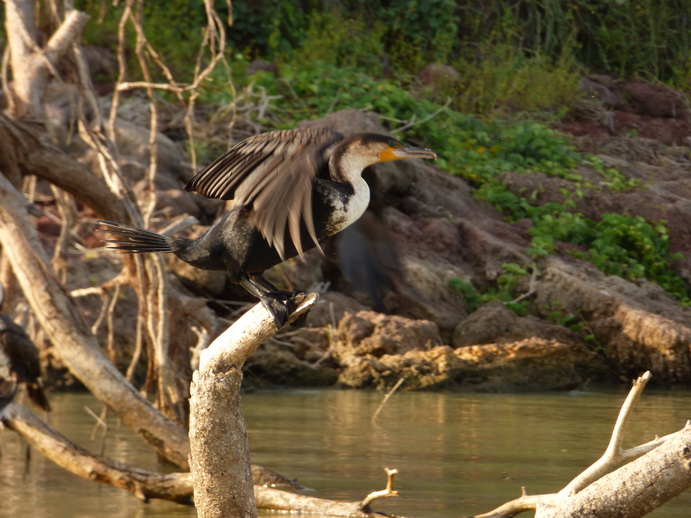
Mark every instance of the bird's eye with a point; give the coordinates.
(393, 143)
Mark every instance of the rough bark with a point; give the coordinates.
(144, 484)
(71, 336)
(219, 452)
(219, 457)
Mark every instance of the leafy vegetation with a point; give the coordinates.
(506, 290)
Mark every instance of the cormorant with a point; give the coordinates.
(19, 363)
(304, 183)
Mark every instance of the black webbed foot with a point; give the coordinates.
(279, 309)
(279, 303)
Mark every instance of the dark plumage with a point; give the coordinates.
(306, 185)
(19, 363)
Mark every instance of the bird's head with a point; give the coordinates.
(361, 151)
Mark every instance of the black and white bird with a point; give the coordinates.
(19, 363)
(290, 190)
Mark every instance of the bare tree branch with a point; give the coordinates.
(144, 484)
(31, 65)
(634, 489)
(629, 492)
(71, 336)
(147, 485)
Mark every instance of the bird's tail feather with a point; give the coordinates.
(133, 240)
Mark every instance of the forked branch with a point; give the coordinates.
(384, 493)
(643, 484)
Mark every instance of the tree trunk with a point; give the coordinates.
(219, 451)
(220, 459)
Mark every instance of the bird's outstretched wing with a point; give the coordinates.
(272, 174)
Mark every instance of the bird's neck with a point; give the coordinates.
(346, 165)
(354, 194)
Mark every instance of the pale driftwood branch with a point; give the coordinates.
(71, 336)
(384, 493)
(144, 484)
(612, 455)
(219, 453)
(66, 35)
(133, 85)
(277, 500)
(518, 506)
(239, 341)
(634, 489)
(631, 491)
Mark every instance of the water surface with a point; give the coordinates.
(456, 454)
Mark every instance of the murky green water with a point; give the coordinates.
(456, 454)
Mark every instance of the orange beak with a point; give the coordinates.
(391, 153)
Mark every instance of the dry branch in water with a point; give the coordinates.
(631, 491)
(635, 489)
(384, 493)
(386, 398)
(144, 484)
(218, 437)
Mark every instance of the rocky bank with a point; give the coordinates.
(426, 230)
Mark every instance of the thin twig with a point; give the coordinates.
(387, 396)
(412, 122)
(101, 313)
(100, 423)
(532, 287)
(111, 326)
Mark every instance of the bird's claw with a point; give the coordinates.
(282, 306)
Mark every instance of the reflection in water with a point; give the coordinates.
(456, 454)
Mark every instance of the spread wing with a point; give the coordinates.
(272, 174)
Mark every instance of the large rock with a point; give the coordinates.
(530, 364)
(494, 323)
(374, 334)
(637, 328)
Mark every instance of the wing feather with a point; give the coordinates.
(272, 174)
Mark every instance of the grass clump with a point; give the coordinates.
(505, 290)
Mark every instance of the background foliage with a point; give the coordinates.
(519, 63)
